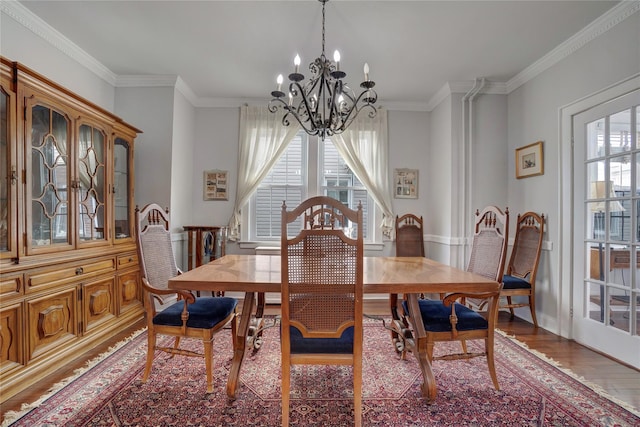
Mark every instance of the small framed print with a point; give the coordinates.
(529, 160)
(215, 185)
(405, 182)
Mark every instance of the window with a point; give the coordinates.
(339, 182)
(285, 182)
(307, 168)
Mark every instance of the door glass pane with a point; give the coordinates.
(5, 170)
(121, 189)
(91, 177)
(49, 177)
(595, 296)
(620, 132)
(595, 139)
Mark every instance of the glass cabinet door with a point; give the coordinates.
(50, 176)
(8, 173)
(90, 184)
(121, 185)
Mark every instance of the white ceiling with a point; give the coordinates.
(235, 49)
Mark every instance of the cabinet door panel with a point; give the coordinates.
(91, 184)
(49, 133)
(52, 321)
(8, 167)
(129, 290)
(11, 337)
(122, 185)
(99, 304)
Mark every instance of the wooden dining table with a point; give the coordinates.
(257, 274)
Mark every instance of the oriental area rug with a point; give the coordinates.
(534, 392)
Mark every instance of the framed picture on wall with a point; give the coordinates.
(529, 160)
(405, 183)
(215, 185)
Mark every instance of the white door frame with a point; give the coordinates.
(566, 197)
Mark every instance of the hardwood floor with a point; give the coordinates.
(620, 381)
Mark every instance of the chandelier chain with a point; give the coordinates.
(323, 3)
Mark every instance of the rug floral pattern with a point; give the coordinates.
(533, 392)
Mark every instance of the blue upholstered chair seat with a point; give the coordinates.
(341, 345)
(512, 282)
(435, 316)
(205, 313)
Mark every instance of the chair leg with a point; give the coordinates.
(532, 307)
(490, 363)
(357, 392)
(176, 345)
(286, 384)
(513, 314)
(151, 346)
(430, 346)
(207, 341)
(464, 346)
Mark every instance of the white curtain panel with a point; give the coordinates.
(365, 149)
(263, 139)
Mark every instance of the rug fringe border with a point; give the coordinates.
(593, 386)
(11, 417)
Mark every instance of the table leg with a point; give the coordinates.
(240, 343)
(419, 348)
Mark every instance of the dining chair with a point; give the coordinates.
(185, 316)
(322, 256)
(409, 243)
(520, 277)
(436, 320)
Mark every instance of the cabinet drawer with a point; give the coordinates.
(127, 260)
(11, 285)
(77, 271)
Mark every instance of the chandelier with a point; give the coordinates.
(324, 105)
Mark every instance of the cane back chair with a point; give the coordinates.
(449, 320)
(189, 316)
(520, 277)
(322, 287)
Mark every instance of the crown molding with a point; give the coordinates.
(156, 80)
(601, 25)
(39, 27)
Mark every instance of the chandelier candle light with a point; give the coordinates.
(323, 106)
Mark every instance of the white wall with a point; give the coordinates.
(438, 218)
(409, 148)
(182, 162)
(216, 147)
(150, 109)
(489, 153)
(533, 115)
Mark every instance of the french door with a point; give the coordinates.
(606, 293)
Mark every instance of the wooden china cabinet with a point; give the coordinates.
(69, 273)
